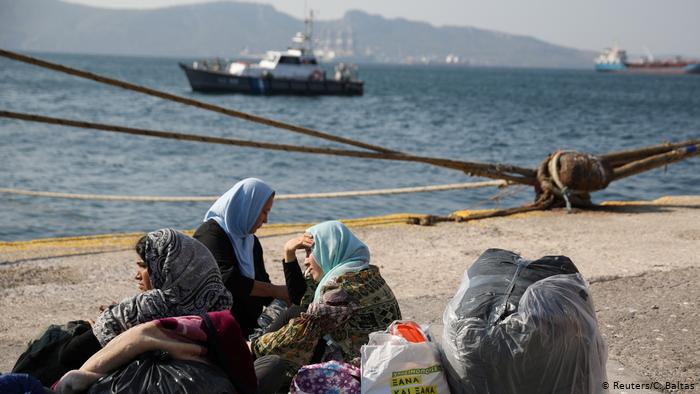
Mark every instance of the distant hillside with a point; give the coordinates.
(227, 29)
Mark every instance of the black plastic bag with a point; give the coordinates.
(157, 373)
(498, 279)
(519, 326)
(41, 359)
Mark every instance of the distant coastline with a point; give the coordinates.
(230, 29)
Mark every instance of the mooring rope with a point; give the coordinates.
(545, 179)
(620, 158)
(304, 196)
(655, 161)
(188, 101)
(494, 171)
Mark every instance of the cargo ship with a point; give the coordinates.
(615, 60)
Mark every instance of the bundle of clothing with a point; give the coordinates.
(519, 326)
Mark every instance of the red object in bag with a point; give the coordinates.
(408, 330)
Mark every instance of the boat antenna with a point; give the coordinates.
(308, 31)
(304, 40)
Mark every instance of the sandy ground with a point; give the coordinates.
(641, 260)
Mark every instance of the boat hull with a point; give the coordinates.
(693, 68)
(220, 82)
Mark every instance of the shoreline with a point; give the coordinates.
(639, 258)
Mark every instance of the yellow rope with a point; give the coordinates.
(14, 251)
(378, 192)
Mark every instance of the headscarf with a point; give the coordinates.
(236, 212)
(185, 279)
(337, 250)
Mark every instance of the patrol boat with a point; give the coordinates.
(294, 71)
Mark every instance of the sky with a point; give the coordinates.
(659, 27)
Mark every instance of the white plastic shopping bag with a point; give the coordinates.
(393, 365)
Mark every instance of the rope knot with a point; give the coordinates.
(572, 175)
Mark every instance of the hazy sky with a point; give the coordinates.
(663, 26)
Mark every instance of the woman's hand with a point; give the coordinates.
(304, 241)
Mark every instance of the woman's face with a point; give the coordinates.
(262, 218)
(312, 267)
(142, 276)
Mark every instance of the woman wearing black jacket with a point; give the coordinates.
(228, 231)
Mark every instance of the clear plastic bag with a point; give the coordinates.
(271, 313)
(519, 326)
(273, 317)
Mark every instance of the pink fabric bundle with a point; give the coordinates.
(225, 345)
(185, 327)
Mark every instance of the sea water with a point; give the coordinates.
(513, 116)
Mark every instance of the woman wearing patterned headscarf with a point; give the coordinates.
(178, 276)
(345, 299)
(228, 231)
(185, 281)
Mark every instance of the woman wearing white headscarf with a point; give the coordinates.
(228, 231)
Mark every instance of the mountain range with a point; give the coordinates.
(229, 29)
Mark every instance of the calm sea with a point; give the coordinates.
(511, 116)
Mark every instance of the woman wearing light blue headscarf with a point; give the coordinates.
(229, 232)
(336, 251)
(346, 299)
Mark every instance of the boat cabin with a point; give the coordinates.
(290, 64)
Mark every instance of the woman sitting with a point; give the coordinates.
(177, 276)
(345, 300)
(228, 232)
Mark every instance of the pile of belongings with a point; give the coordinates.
(519, 326)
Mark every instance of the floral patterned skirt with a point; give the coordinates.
(331, 377)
